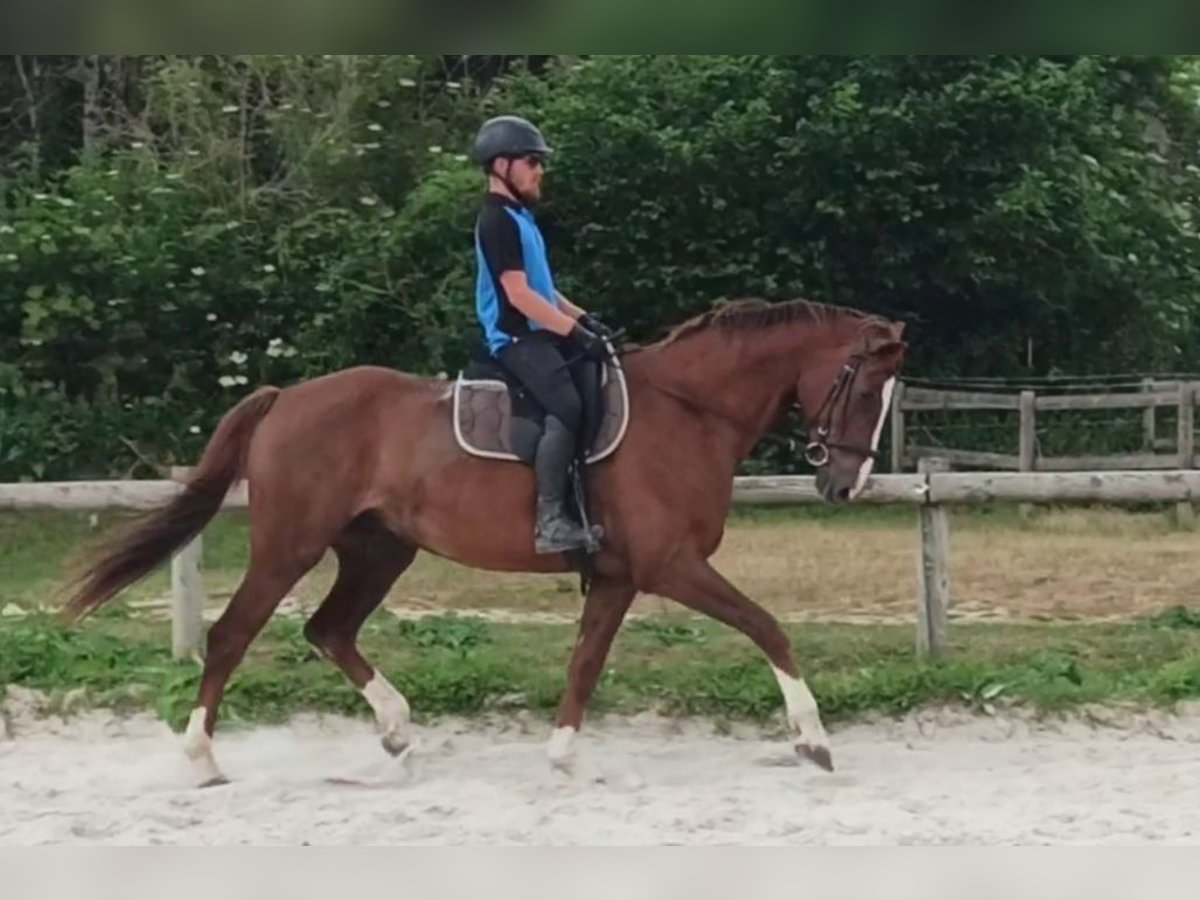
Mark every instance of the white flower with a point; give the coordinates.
(137, 145)
(195, 429)
(384, 104)
(238, 358)
(212, 317)
(197, 271)
(407, 82)
(277, 347)
(268, 268)
(453, 85)
(6, 229)
(226, 381)
(374, 126)
(460, 157)
(435, 149)
(230, 108)
(367, 201)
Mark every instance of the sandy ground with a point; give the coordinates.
(933, 778)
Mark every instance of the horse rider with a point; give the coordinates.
(528, 326)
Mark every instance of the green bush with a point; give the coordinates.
(225, 243)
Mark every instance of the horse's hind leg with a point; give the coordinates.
(370, 559)
(268, 579)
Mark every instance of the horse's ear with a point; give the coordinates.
(887, 352)
(887, 343)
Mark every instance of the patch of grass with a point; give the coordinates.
(464, 666)
(1176, 617)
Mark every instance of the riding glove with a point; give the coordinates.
(594, 346)
(592, 322)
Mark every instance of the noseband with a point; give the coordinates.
(816, 452)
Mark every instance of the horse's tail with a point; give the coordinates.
(140, 549)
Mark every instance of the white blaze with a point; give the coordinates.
(864, 470)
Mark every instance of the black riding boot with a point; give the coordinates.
(555, 530)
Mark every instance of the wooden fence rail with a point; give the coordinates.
(929, 491)
(1157, 452)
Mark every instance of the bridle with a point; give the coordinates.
(816, 451)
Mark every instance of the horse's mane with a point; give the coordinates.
(754, 313)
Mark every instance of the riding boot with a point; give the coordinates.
(555, 531)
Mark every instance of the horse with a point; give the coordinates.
(365, 461)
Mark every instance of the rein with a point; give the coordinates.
(816, 451)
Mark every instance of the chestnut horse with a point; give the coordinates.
(365, 461)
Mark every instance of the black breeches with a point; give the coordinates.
(537, 361)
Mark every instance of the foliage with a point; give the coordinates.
(197, 225)
(123, 661)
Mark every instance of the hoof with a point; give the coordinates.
(394, 744)
(818, 754)
(215, 781)
(564, 764)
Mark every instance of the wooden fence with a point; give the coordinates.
(1178, 452)
(1152, 394)
(931, 491)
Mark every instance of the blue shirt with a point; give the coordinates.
(507, 238)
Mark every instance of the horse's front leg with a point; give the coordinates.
(603, 610)
(697, 585)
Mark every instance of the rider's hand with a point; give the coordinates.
(594, 346)
(592, 322)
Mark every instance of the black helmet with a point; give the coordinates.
(507, 136)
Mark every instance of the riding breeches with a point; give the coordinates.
(538, 363)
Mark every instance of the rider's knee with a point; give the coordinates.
(569, 409)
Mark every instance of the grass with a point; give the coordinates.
(850, 572)
(675, 666)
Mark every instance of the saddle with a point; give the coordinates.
(496, 418)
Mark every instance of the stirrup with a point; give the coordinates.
(555, 532)
(559, 542)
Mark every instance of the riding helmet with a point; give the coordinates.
(507, 136)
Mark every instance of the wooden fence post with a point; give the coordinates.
(187, 593)
(1027, 442)
(1149, 425)
(1185, 514)
(898, 436)
(933, 569)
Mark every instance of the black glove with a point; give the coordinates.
(592, 323)
(594, 346)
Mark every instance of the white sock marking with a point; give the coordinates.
(802, 711)
(391, 709)
(198, 747)
(559, 747)
(869, 463)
